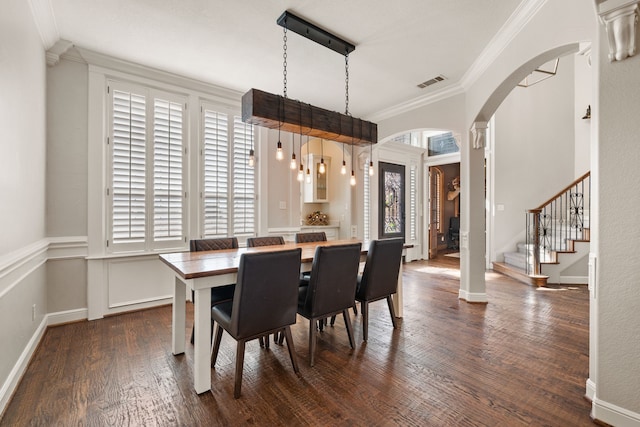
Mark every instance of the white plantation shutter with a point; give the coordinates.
(128, 139)
(243, 179)
(216, 173)
(167, 170)
(146, 172)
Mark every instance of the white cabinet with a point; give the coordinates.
(316, 189)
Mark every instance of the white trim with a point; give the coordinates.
(15, 266)
(68, 247)
(511, 28)
(18, 370)
(66, 316)
(612, 414)
(480, 297)
(45, 21)
(590, 392)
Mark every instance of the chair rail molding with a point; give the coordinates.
(620, 18)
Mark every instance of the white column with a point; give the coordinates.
(472, 221)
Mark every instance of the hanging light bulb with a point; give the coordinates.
(308, 176)
(301, 173)
(370, 168)
(321, 167)
(352, 181)
(293, 165)
(279, 154)
(343, 169)
(252, 158)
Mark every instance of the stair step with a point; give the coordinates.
(516, 259)
(519, 274)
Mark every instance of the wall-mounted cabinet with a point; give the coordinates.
(316, 189)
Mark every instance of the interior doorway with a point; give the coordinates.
(443, 208)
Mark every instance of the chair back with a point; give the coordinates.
(213, 244)
(266, 295)
(319, 236)
(334, 275)
(380, 275)
(253, 242)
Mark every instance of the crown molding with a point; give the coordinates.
(516, 22)
(444, 93)
(45, 21)
(520, 17)
(57, 50)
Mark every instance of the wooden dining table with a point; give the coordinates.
(201, 271)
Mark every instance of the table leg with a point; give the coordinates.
(397, 297)
(202, 341)
(179, 315)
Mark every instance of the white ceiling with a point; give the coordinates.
(238, 45)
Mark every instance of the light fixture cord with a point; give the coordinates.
(346, 84)
(284, 59)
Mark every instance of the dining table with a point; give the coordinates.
(203, 270)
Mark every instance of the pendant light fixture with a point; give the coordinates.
(308, 171)
(293, 164)
(279, 154)
(322, 168)
(352, 181)
(371, 158)
(252, 156)
(343, 169)
(301, 170)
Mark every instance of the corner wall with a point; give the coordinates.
(22, 191)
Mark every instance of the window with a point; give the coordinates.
(229, 182)
(147, 147)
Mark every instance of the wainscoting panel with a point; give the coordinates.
(133, 281)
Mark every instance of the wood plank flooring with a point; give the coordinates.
(522, 359)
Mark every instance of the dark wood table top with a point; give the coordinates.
(191, 265)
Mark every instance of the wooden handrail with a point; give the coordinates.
(560, 193)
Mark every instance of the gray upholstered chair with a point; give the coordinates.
(220, 293)
(264, 302)
(379, 279)
(253, 242)
(316, 236)
(334, 276)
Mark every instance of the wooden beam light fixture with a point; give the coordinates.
(279, 112)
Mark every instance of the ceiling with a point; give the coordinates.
(238, 45)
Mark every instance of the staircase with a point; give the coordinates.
(557, 245)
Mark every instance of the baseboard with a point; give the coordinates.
(574, 280)
(590, 390)
(21, 365)
(67, 316)
(613, 415)
(476, 297)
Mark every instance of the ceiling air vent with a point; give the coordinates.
(432, 81)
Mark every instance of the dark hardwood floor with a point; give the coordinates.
(522, 359)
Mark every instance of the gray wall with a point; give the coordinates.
(22, 184)
(534, 151)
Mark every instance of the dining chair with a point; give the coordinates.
(334, 275)
(264, 302)
(221, 293)
(379, 278)
(253, 242)
(316, 236)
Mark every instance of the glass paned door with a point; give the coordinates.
(392, 194)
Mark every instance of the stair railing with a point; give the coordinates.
(554, 224)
